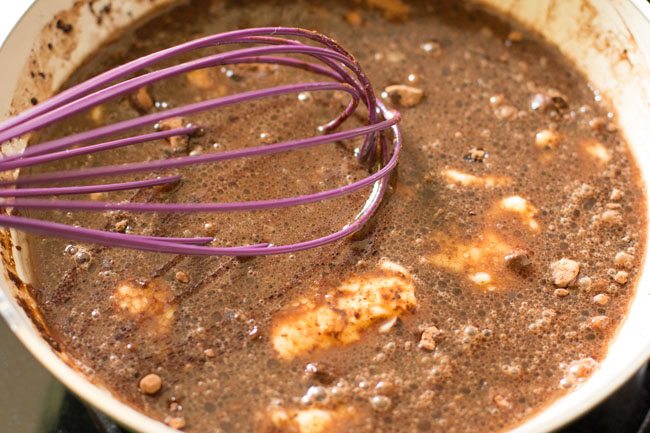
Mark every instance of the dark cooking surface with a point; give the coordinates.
(24, 408)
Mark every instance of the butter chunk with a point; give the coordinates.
(345, 313)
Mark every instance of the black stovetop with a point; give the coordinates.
(31, 401)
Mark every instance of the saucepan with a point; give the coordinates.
(609, 40)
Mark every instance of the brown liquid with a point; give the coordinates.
(505, 344)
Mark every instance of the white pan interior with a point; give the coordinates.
(605, 38)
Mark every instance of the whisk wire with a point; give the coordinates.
(151, 119)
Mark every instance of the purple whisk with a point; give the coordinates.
(273, 45)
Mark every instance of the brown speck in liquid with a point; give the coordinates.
(63, 26)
